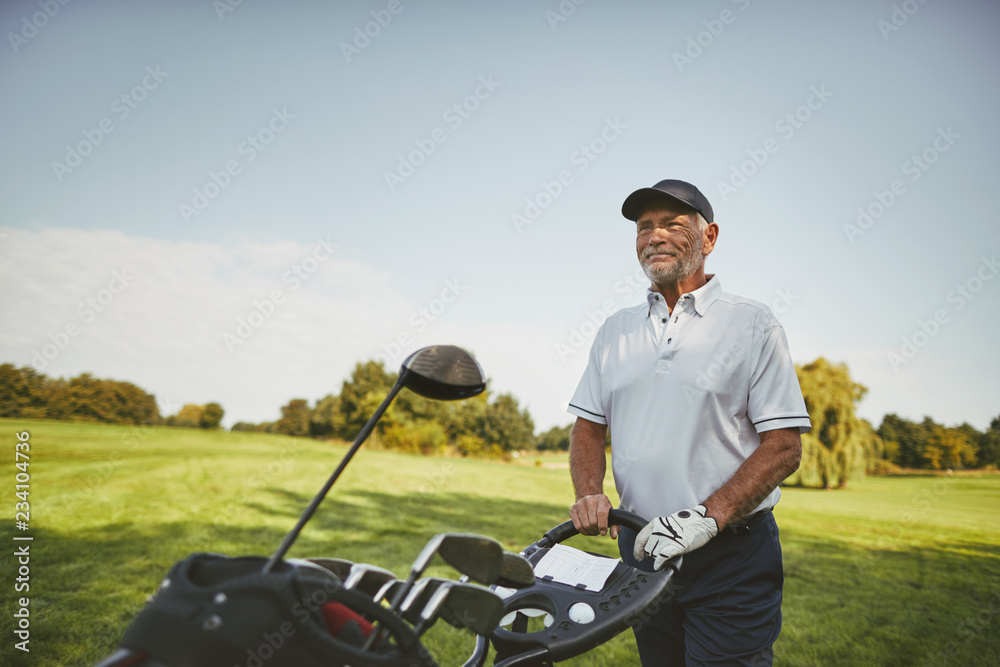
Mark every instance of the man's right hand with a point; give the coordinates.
(590, 516)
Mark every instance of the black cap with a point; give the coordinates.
(680, 191)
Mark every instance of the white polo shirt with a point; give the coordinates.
(686, 393)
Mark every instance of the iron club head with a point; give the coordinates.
(463, 606)
(516, 571)
(368, 579)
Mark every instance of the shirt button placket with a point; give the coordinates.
(664, 361)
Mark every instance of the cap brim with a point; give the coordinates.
(639, 199)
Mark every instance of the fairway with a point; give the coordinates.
(891, 571)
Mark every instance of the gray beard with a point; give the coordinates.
(679, 270)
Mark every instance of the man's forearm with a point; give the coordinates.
(777, 457)
(587, 461)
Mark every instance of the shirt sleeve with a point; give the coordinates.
(775, 399)
(586, 401)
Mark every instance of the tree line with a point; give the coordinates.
(485, 425)
(27, 394)
(840, 445)
(932, 446)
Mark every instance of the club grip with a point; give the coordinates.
(615, 517)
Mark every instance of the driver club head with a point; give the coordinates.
(443, 372)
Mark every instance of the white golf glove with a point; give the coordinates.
(666, 537)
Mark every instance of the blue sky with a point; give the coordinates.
(236, 162)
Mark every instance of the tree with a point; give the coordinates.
(874, 447)
(839, 444)
(556, 439)
(949, 448)
(905, 441)
(507, 427)
(189, 416)
(466, 426)
(211, 416)
(263, 427)
(988, 446)
(929, 445)
(294, 418)
(86, 398)
(361, 395)
(421, 436)
(23, 393)
(326, 420)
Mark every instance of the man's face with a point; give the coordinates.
(668, 242)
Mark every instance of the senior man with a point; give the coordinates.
(705, 412)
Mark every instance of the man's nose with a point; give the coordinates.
(658, 235)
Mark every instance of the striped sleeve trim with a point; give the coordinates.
(771, 419)
(801, 422)
(587, 411)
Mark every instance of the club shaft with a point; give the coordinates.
(362, 436)
(394, 604)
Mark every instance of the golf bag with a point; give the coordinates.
(214, 610)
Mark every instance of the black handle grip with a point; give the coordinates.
(615, 517)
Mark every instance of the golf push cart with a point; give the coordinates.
(217, 611)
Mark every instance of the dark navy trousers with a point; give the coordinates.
(724, 607)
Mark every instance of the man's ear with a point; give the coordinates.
(709, 237)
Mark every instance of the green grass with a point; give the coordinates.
(891, 571)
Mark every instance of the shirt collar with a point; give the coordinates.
(701, 298)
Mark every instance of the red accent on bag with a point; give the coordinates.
(337, 616)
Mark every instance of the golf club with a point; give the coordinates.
(308, 567)
(441, 372)
(419, 597)
(339, 566)
(368, 578)
(463, 606)
(389, 588)
(372, 579)
(516, 572)
(478, 556)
